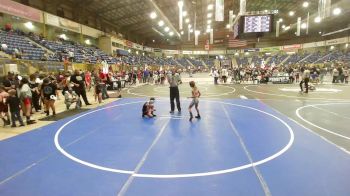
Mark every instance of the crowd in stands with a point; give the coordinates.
(18, 44)
(282, 74)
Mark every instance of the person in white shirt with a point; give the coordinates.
(4, 47)
(305, 79)
(216, 76)
(71, 56)
(224, 74)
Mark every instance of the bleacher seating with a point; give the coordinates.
(14, 41)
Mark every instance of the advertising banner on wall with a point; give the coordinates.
(171, 52)
(314, 44)
(201, 52)
(337, 41)
(217, 52)
(23, 11)
(91, 31)
(251, 50)
(62, 23)
(270, 49)
(292, 47)
(137, 46)
(148, 49)
(187, 52)
(232, 51)
(128, 44)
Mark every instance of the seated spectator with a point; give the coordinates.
(71, 97)
(4, 47)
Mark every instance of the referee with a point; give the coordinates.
(174, 80)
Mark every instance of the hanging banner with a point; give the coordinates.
(206, 46)
(23, 11)
(298, 26)
(181, 5)
(230, 22)
(196, 34)
(242, 6)
(211, 36)
(219, 10)
(277, 28)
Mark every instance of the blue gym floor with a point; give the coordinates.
(239, 147)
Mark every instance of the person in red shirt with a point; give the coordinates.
(88, 80)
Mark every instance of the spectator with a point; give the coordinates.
(14, 104)
(4, 47)
(34, 86)
(25, 95)
(78, 80)
(3, 107)
(48, 94)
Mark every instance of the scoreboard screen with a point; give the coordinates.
(257, 23)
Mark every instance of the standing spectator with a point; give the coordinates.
(88, 80)
(14, 103)
(9, 83)
(3, 107)
(305, 80)
(335, 75)
(346, 75)
(34, 86)
(48, 94)
(79, 85)
(103, 78)
(174, 80)
(25, 95)
(224, 74)
(216, 76)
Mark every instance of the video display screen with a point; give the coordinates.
(257, 23)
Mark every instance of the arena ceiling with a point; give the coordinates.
(132, 17)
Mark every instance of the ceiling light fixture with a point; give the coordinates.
(318, 19)
(171, 33)
(280, 20)
(184, 13)
(304, 25)
(153, 15)
(291, 13)
(210, 7)
(228, 26)
(166, 29)
(208, 21)
(160, 23)
(209, 15)
(187, 20)
(336, 11)
(306, 4)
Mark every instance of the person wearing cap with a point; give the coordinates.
(148, 109)
(174, 80)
